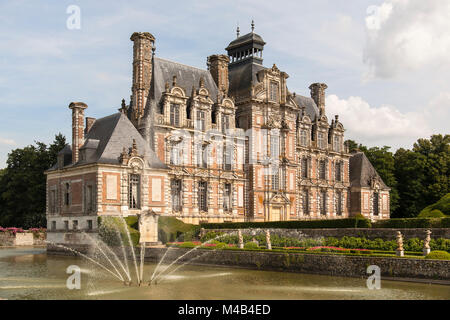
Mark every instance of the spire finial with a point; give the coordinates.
(237, 31)
(253, 25)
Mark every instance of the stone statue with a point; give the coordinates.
(241, 239)
(255, 241)
(426, 243)
(202, 232)
(268, 243)
(400, 251)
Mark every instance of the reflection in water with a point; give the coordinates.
(31, 274)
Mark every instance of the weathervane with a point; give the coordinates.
(253, 25)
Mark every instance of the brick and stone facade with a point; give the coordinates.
(227, 144)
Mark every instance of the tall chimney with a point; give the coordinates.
(77, 128)
(218, 67)
(142, 71)
(318, 95)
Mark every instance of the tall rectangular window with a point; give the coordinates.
(337, 143)
(175, 115)
(339, 203)
(66, 225)
(275, 178)
(53, 225)
(227, 158)
(225, 123)
(205, 156)
(89, 198)
(67, 195)
(376, 210)
(134, 192)
(176, 154)
(275, 147)
(201, 115)
(227, 198)
(303, 138)
(320, 141)
(89, 224)
(305, 167)
(323, 203)
(176, 194)
(338, 168)
(75, 224)
(52, 201)
(305, 202)
(322, 169)
(273, 91)
(203, 196)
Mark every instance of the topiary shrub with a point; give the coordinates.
(438, 255)
(251, 245)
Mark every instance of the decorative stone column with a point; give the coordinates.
(241, 239)
(400, 252)
(268, 243)
(426, 243)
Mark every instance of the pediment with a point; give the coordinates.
(279, 198)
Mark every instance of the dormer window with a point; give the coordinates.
(225, 123)
(175, 115)
(201, 123)
(303, 138)
(320, 140)
(337, 144)
(273, 94)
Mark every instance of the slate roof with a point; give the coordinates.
(107, 138)
(187, 76)
(247, 38)
(311, 108)
(361, 171)
(242, 76)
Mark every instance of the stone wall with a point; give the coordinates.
(21, 239)
(336, 265)
(369, 233)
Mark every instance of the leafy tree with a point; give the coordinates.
(23, 184)
(422, 174)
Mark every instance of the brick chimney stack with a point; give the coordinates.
(218, 67)
(143, 45)
(318, 95)
(77, 128)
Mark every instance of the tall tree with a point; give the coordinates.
(422, 174)
(23, 184)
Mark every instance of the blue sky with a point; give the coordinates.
(385, 62)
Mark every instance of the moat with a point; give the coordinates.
(29, 273)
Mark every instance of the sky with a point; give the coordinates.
(386, 62)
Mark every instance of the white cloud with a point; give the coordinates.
(9, 142)
(386, 125)
(406, 35)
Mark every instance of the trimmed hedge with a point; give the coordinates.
(438, 255)
(314, 224)
(413, 223)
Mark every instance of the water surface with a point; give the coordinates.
(29, 273)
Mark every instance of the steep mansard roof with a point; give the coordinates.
(187, 77)
(361, 172)
(108, 137)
